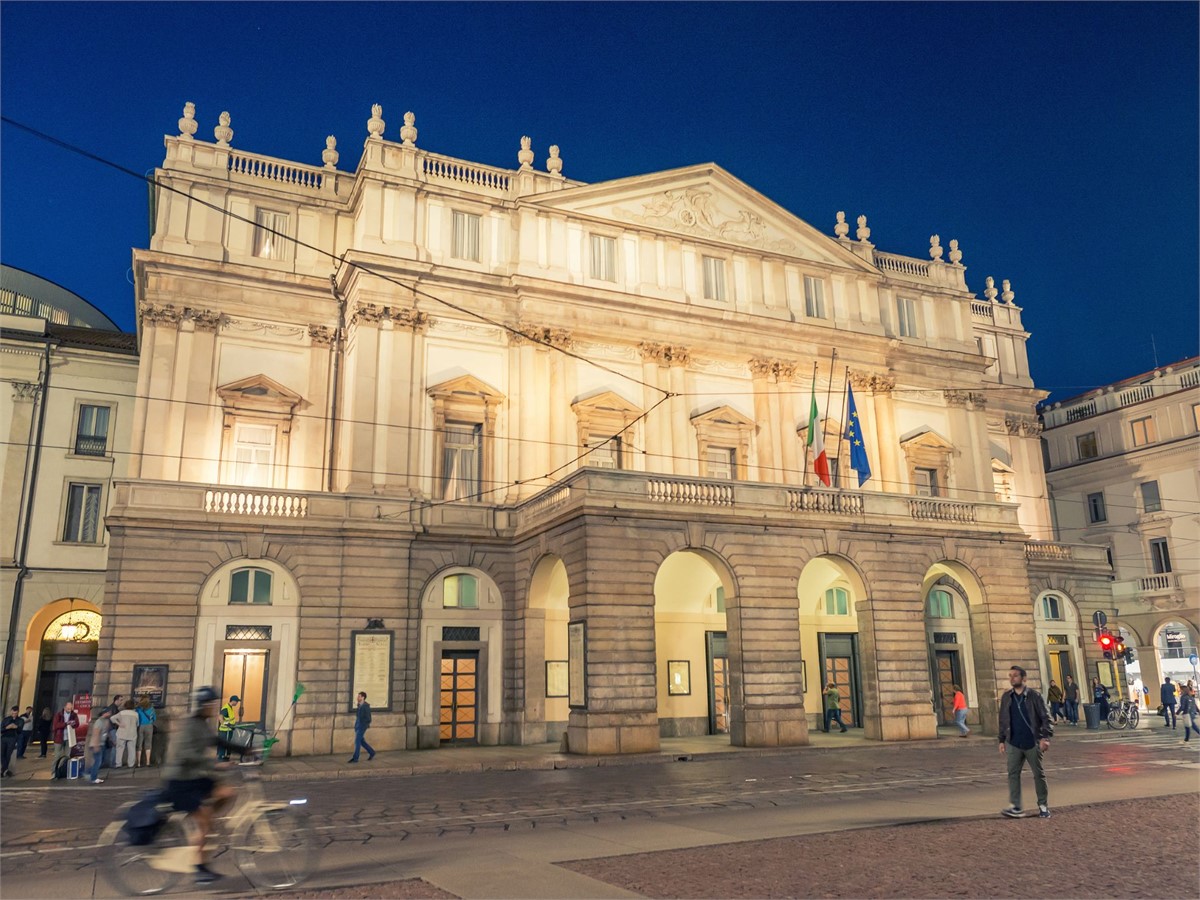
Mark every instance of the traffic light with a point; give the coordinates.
(1107, 642)
(1130, 654)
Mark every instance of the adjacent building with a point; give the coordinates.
(527, 458)
(65, 411)
(1124, 474)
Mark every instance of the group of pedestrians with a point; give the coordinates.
(1064, 702)
(18, 731)
(1186, 704)
(121, 735)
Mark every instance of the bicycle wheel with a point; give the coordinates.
(1134, 717)
(277, 850)
(152, 868)
(1114, 719)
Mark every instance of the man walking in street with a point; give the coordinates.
(1025, 734)
(229, 719)
(1071, 700)
(1167, 693)
(10, 730)
(833, 707)
(362, 721)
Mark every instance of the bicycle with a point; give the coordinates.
(1124, 715)
(272, 842)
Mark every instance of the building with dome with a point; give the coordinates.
(66, 409)
(533, 460)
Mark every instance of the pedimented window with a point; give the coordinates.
(602, 421)
(256, 431)
(464, 453)
(723, 436)
(930, 459)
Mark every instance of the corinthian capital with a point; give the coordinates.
(665, 354)
(870, 381)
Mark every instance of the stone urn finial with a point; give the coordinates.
(554, 164)
(329, 155)
(525, 154)
(223, 133)
(841, 228)
(188, 124)
(1007, 295)
(990, 289)
(935, 247)
(408, 131)
(375, 123)
(955, 253)
(863, 233)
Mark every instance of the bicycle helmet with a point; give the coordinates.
(202, 695)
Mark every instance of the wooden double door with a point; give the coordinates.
(458, 693)
(839, 664)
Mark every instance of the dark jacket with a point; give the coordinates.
(1166, 694)
(11, 727)
(1036, 705)
(1187, 705)
(362, 719)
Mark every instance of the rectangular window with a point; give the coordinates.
(1160, 556)
(814, 297)
(906, 317)
(460, 591)
(91, 434)
(714, 278)
(604, 258)
(1095, 508)
(464, 243)
(1151, 502)
(720, 598)
(721, 462)
(833, 472)
(606, 453)
(1144, 431)
(926, 482)
(253, 454)
(462, 461)
(83, 514)
(270, 234)
(1085, 445)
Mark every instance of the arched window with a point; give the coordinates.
(1052, 608)
(837, 602)
(250, 586)
(941, 604)
(460, 592)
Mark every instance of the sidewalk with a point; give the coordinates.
(33, 772)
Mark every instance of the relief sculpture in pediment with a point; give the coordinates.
(694, 211)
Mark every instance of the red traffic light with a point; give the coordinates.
(1106, 641)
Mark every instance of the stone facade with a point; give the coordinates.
(549, 440)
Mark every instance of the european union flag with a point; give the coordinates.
(858, 450)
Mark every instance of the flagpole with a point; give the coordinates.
(808, 437)
(842, 431)
(829, 391)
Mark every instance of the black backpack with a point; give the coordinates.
(145, 819)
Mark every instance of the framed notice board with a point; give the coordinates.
(371, 668)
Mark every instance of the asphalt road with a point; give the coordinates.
(52, 829)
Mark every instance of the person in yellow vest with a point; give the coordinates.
(230, 713)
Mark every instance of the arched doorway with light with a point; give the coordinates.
(1057, 628)
(694, 679)
(948, 640)
(60, 653)
(546, 619)
(829, 591)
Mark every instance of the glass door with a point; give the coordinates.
(245, 674)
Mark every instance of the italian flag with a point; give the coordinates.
(816, 439)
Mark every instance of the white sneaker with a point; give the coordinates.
(97, 781)
(1013, 812)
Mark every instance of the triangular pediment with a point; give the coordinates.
(465, 386)
(707, 203)
(723, 415)
(609, 402)
(258, 390)
(928, 439)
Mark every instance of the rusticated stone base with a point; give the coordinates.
(599, 734)
(771, 727)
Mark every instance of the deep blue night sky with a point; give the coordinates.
(1058, 143)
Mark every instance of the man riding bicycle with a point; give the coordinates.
(192, 775)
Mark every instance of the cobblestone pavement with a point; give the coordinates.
(43, 827)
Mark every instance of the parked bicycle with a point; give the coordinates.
(272, 842)
(1124, 715)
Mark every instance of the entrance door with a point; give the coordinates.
(1060, 666)
(245, 674)
(947, 674)
(718, 682)
(459, 697)
(67, 670)
(839, 662)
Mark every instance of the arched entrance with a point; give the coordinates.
(60, 653)
(1056, 625)
(828, 591)
(693, 679)
(948, 640)
(546, 621)
(1175, 645)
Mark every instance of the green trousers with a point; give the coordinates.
(1016, 759)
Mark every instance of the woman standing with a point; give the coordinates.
(126, 722)
(960, 711)
(1189, 712)
(145, 733)
(1100, 696)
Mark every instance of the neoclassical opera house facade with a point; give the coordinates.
(524, 457)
